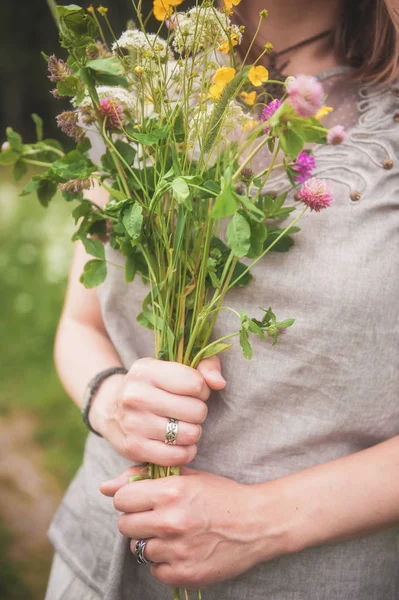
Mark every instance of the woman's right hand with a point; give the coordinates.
(131, 411)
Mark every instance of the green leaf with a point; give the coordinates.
(110, 65)
(94, 273)
(131, 268)
(126, 151)
(258, 238)
(38, 121)
(81, 211)
(8, 157)
(285, 324)
(239, 235)
(111, 80)
(216, 349)
(181, 191)
(20, 169)
(46, 191)
(133, 220)
(149, 139)
(73, 165)
(30, 187)
(244, 343)
(291, 143)
(251, 207)
(93, 247)
(226, 205)
(69, 86)
(15, 140)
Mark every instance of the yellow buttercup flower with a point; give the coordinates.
(225, 47)
(102, 10)
(164, 8)
(248, 98)
(251, 124)
(258, 75)
(228, 5)
(323, 112)
(221, 78)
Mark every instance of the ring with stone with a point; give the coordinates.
(172, 429)
(139, 549)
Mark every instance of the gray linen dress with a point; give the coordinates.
(328, 389)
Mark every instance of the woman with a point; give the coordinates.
(293, 486)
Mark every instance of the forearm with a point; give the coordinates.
(81, 351)
(342, 499)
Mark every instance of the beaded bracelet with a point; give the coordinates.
(91, 389)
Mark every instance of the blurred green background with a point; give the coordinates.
(41, 435)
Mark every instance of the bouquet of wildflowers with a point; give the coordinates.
(182, 118)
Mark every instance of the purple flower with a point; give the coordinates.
(68, 122)
(305, 94)
(316, 194)
(269, 111)
(304, 165)
(58, 69)
(336, 135)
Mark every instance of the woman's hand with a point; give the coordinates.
(202, 528)
(132, 411)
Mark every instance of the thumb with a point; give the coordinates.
(210, 369)
(110, 487)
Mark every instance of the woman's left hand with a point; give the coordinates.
(203, 528)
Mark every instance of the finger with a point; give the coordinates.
(154, 427)
(136, 497)
(144, 398)
(138, 525)
(171, 377)
(110, 487)
(210, 369)
(155, 550)
(159, 453)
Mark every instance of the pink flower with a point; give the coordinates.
(305, 94)
(304, 165)
(316, 194)
(113, 112)
(336, 135)
(269, 111)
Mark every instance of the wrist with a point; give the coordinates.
(104, 402)
(279, 521)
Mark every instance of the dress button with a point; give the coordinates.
(387, 163)
(395, 92)
(396, 117)
(355, 196)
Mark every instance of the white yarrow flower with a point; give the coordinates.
(146, 45)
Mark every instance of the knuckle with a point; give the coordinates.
(173, 524)
(197, 384)
(194, 434)
(131, 395)
(202, 412)
(130, 448)
(122, 525)
(139, 368)
(182, 455)
(188, 575)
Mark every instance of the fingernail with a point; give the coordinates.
(218, 376)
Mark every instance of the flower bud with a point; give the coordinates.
(5, 147)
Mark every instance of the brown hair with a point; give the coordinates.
(367, 38)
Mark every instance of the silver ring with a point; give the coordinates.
(139, 549)
(172, 429)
